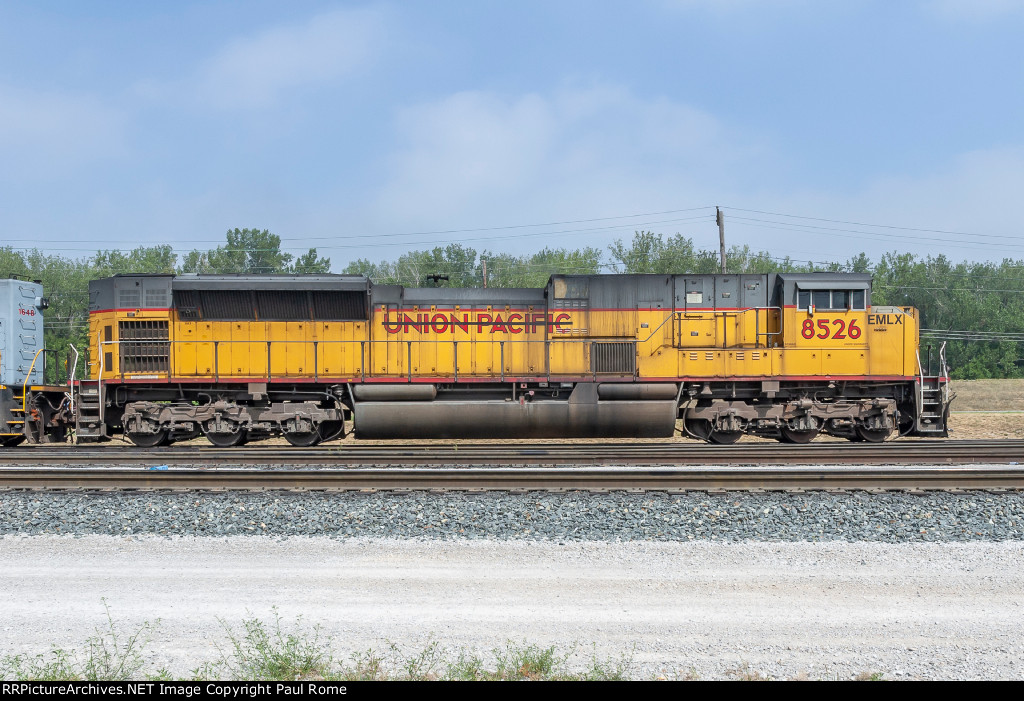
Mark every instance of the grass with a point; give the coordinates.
(107, 655)
(272, 651)
(988, 395)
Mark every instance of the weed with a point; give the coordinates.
(608, 670)
(870, 677)
(107, 656)
(527, 662)
(745, 674)
(262, 653)
(367, 667)
(422, 666)
(467, 668)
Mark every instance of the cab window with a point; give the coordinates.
(831, 300)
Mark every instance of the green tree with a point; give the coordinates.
(252, 252)
(650, 253)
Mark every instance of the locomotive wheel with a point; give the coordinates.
(698, 428)
(873, 435)
(329, 430)
(227, 440)
(701, 428)
(149, 440)
(724, 437)
(303, 440)
(801, 437)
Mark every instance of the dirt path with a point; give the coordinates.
(680, 610)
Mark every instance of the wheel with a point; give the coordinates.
(873, 435)
(701, 428)
(724, 437)
(801, 437)
(149, 440)
(698, 428)
(227, 440)
(329, 430)
(303, 440)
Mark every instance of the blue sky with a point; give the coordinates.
(364, 128)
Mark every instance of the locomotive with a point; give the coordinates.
(714, 357)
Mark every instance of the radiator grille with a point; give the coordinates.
(270, 305)
(617, 357)
(339, 306)
(227, 305)
(282, 306)
(143, 346)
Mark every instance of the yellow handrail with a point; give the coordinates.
(24, 387)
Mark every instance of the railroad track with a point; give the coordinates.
(522, 454)
(523, 479)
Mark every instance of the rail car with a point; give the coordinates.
(30, 409)
(714, 357)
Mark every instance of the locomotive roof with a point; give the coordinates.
(194, 281)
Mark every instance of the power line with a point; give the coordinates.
(878, 226)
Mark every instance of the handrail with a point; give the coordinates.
(358, 346)
(71, 379)
(28, 376)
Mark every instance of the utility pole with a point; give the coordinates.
(485, 272)
(720, 220)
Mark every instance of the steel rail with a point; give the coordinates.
(591, 479)
(524, 454)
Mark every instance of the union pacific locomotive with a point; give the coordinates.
(232, 358)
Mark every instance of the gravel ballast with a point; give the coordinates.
(896, 517)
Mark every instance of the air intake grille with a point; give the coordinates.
(282, 305)
(339, 306)
(143, 346)
(616, 357)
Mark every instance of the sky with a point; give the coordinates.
(367, 129)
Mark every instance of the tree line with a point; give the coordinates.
(977, 308)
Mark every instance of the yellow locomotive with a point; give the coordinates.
(232, 357)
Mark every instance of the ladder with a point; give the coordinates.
(88, 401)
(933, 397)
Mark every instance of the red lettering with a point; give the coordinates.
(439, 323)
(499, 325)
(388, 324)
(537, 320)
(512, 328)
(561, 320)
(464, 324)
(482, 320)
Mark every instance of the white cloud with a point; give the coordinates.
(50, 134)
(254, 71)
(484, 157)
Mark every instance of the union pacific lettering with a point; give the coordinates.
(448, 322)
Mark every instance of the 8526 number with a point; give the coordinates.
(836, 328)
